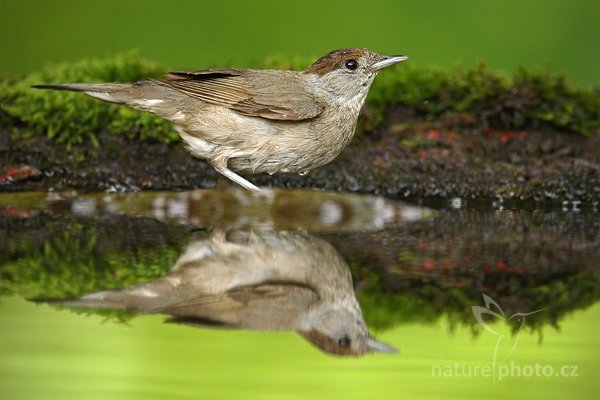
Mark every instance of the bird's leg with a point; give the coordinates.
(219, 163)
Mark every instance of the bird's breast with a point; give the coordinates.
(258, 145)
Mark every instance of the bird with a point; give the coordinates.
(254, 120)
(255, 280)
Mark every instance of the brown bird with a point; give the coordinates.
(255, 121)
(258, 280)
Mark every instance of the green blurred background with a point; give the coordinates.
(559, 34)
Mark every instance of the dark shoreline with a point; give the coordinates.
(405, 160)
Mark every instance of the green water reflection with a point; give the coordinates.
(417, 274)
(50, 354)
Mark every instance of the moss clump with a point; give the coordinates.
(526, 100)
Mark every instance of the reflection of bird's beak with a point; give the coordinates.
(386, 61)
(374, 345)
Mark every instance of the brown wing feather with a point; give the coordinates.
(270, 296)
(268, 94)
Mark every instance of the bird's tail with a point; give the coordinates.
(148, 297)
(112, 92)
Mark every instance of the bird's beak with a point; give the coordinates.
(386, 61)
(374, 345)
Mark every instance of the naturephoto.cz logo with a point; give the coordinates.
(500, 371)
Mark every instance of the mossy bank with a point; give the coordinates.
(468, 133)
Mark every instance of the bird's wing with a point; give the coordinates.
(270, 306)
(276, 95)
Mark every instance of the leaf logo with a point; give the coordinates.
(493, 309)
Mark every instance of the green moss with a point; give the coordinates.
(527, 100)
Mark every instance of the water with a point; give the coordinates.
(419, 274)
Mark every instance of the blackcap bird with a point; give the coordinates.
(255, 121)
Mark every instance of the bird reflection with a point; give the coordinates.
(265, 280)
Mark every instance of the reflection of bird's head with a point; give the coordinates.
(341, 330)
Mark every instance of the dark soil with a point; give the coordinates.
(404, 159)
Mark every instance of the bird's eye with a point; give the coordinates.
(351, 65)
(344, 342)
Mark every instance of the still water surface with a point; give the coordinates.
(266, 296)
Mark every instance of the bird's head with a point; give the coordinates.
(342, 331)
(347, 74)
